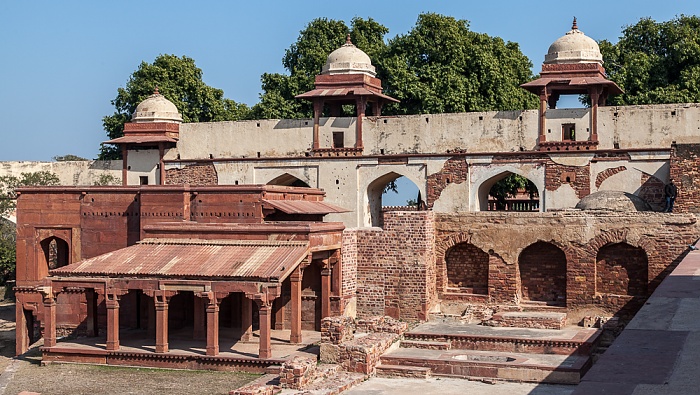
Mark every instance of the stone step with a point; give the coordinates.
(414, 372)
(571, 340)
(528, 319)
(426, 344)
(520, 367)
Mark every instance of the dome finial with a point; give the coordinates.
(574, 26)
(347, 40)
(155, 91)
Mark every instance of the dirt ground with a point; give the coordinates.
(26, 374)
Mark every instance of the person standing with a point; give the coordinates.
(671, 191)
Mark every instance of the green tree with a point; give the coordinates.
(441, 66)
(8, 196)
(68, 157)
(509, 187)
(180, 81)
(303, 61)
(656, 62)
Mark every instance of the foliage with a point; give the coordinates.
(68, 158)
(108, 179)
(508, 188)
(304, 59)
(8, 195)
(441, 66)
(656, 62)
(180, 81)
(411, 202)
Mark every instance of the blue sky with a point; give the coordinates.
(62, 61)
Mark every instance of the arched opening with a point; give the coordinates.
(508, 191)
(391, 192)
(181, 314)
(543, 274)
(467, 268)
(56, 252)
(622, 269)
(288, 180)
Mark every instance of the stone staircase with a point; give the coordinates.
(527, 346)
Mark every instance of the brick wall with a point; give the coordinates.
(652, 190)
(578, 177)
(454, 171)
(543, 273)
(621, 269)
(467, 267)
(607, 173)
(685, 171)
(196, 174)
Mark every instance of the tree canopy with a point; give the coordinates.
(441, 66)
(180, 81)
(304, 59)
(656, 62)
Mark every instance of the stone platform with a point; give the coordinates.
(138, 349)
(482, 352)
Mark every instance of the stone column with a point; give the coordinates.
(161, 299)
(161, 164)
(594, 93)
(360, 103)
(49, 319)
(325, 289)
(91, 301)
(295, 279)
(212, 325)
(318, 109)
(246, 318)
(543, 117)
(125, 167)
(265, 308)
(112, 303)
(199, 315)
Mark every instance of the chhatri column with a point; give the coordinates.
(318, 109)
(542, 124)
(595, 96)
(212, 324)
(361, 104)
(125, 167)
(295, 280)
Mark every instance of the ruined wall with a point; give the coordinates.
(192, 174)
(86, 172)
(395, 274)
(685, 170)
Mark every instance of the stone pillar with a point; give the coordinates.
(161, 164)
(542, 124)
(318, 109)
(23, 336)
(295, 279)
(360, 103)
(325, 290)
(112, 303)
(91, 301)
(125, 166)
(265, 350)
(161, 299)
(246, 318)
(49, 319)
(594, 93)
(279, 313)
(212, 325)
(199, 315)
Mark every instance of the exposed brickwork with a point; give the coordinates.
(524, 320)
(607, 173)
(621, 270)
(348, 286)
(467, 268)
(543, 273)
(338, 329)
(298, 372)
(652, 190)
(685, 170)
(578, 177)
(454, 171)
(197, 174)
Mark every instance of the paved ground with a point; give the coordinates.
(449, 386)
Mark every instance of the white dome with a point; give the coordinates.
(574, 47)
(348, 59)
(156, 108)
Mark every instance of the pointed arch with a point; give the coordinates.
(373, 196)
(55, 252)
(289, 180)
(542, 268)
(622, 269)
(485, 180)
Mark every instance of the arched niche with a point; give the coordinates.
(542, 269)
(622, 269)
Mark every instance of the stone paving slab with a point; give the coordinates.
(456, 328)
(540, 360)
